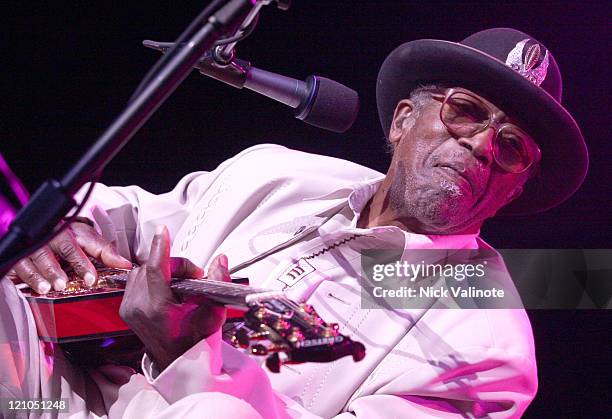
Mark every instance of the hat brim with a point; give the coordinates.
(428, 61)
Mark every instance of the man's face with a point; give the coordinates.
(442, 183)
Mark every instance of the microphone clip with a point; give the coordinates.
(233, 72)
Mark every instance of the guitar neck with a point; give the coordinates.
(225, 293)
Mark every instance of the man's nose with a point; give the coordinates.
(480, 144)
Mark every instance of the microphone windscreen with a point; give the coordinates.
(334, 106)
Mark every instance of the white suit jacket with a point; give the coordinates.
(455, 363)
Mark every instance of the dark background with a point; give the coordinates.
(68, 69)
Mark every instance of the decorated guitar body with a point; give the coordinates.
(270, 324)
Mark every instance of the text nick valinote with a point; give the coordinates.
(411, 271)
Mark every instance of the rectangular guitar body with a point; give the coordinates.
(77, 317)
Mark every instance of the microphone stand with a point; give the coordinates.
(53, 199)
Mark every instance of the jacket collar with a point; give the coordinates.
(358, 195)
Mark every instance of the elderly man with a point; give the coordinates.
(476, 129)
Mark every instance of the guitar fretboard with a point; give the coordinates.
(221, 292)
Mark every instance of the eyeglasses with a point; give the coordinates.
(465, 115)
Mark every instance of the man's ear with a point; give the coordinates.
(403, 111)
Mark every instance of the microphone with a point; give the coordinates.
(317, 100)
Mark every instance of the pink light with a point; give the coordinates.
(7, 213)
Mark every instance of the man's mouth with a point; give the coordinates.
(457, 170)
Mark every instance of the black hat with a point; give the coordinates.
(519, 75)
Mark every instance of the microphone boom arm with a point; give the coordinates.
(51, 202)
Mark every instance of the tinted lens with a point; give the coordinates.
(513, 149)
(464, 114)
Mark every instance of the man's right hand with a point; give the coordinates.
(42, 271)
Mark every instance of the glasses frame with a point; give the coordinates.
(491, 123)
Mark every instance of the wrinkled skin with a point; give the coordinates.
(437, 183)
(42, 270)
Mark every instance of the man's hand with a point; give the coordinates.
(166, 326)
(41, 270)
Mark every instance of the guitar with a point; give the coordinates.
(272, 325)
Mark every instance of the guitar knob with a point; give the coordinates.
(315, 321)
(358, 352)
(305, 308)
(240, 339)
(281, 324)
(295, 336)
(328, 332)
(273, 362)
(259, 349)
(260, 313)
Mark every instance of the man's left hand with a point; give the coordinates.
(167, 326)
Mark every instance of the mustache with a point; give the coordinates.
(466, 165)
